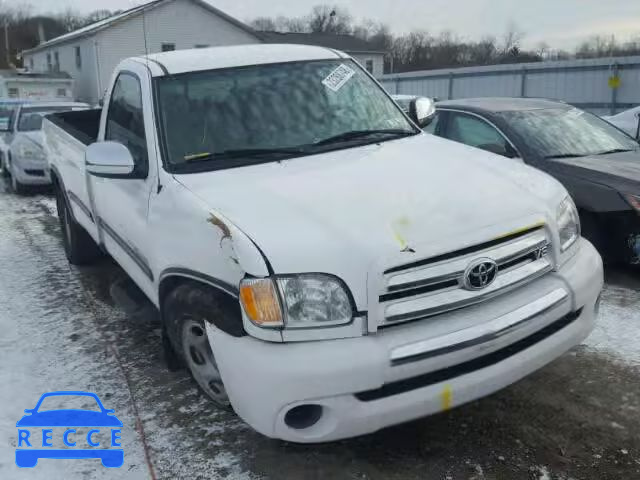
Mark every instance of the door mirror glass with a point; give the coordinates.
(422, 110)
(109, 160)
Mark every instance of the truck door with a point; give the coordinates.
(121, 204)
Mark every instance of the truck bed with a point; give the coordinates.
(83, 125)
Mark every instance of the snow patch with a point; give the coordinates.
(617, 327)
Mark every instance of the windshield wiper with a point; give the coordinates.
(355, 134)
(615, 150)
(244, 153)
(564, 155)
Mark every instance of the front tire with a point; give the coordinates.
(79, 247)
(186, 311)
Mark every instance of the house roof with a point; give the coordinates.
(11, 74)
(347, 43)
(132, 12)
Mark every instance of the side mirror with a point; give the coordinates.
(422, 110)
(28, 410)
(109, 160)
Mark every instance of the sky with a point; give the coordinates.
(559, 23)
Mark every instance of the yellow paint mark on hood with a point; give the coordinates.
(446, 398)
(520, 230)
(398, 227)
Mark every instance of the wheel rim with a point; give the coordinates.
(200, 360)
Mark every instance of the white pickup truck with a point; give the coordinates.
(320, 265)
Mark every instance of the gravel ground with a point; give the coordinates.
(578, 418)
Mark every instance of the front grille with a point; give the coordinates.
(436, 285)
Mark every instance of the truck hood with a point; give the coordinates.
(620, 171)
(29, 139)
(342, 211)
(36, 137)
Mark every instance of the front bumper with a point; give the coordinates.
(29, 171)
(361, 390)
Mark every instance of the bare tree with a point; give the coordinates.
(483, 52)
(512, 39)
(543, 50)
(98, 15)
(330, 19)
(263, 24)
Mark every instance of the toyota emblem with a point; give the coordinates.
(480, 274)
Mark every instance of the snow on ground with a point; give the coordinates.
(617, 331)
(37, 356)
(58, 334)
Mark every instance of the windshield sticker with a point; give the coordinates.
(336, 79)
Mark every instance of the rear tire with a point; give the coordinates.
(186, 310)
(79, 247)
(4, 171)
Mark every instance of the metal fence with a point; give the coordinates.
(602, 86)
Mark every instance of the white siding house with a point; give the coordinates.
(365, 54)
(90, 54)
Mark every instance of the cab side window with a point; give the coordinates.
(125, 120)
(476, 132)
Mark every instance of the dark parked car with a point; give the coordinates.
(598, 163)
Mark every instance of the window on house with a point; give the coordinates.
(56, 61)
(78, 58)
(61, 92)
(369, 66)
(168, 47)
(201, 45)
(49, 64)
(13, 92)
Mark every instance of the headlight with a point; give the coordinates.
(300, 301)
(568, 223)
(28, 151)
(634, 201)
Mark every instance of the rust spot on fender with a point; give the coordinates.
(216, 222)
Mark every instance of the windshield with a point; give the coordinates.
(567, 132)
(7, 113)
(31, 118)
(274, 107)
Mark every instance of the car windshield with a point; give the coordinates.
(7, 112)
(31, 118)
(69, 402)
(278, 109)
(567, 132)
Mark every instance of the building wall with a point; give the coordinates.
(181, 22)
(376, 58)
(583, 83)
(84, 75)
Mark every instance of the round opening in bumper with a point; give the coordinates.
(303, 416)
